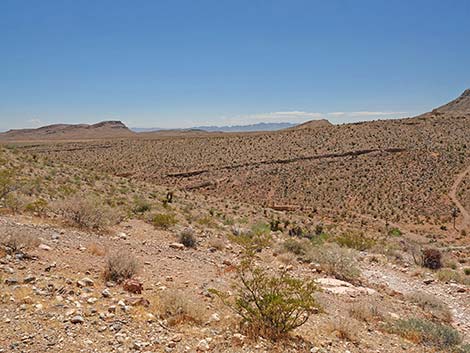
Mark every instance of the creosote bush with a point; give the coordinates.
(270, 305)
(121, 266)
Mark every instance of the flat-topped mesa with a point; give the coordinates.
(104, 129)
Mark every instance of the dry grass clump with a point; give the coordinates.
(85, 212)
(426, 332)
(432, 305)
(336, 261)
(95, 249)
(216, 243)
(344, 329)
(177, 309)
(448, 275)
(366, 310)
(15, 242)
(121, 266)
(164, 220)
(355, 241)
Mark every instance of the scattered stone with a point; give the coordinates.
(137, 302)
(77, 320)
(29, 279)
(203, 345)
(177, 246)
(44, 247)
(428, 281)
(11, 281)
(133, 286)
(106, 293)
(85, 282)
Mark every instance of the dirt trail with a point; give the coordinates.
(465, 224)
(459, 303)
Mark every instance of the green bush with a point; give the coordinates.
(141, 206)
(164, 220)
(270, 305)
(296, 246)
(355, 241)
(395, 232)
(428, 333)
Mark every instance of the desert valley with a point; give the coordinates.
(315, 238)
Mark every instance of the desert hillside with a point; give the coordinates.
(95, 262)
(391, 170)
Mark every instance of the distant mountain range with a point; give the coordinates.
(232, 128)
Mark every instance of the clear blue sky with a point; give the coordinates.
(183, 63)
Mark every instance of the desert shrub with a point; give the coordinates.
(432, 305)
(85, 212)
(260, 228)
(6, 182)
(319, 239)
(121, 266)
(141, 206)
(16, 242)
(270, 305)
(274, 224)
(207, 221)
(176, 308)
(164, 220)
(395, 232)
(355, 241)
(431, 258)
(37, 206)
(296, 246)
(449, 275)
(216, 243)
(466, 271)
(366, 310)
(344, 329)
(336, 261)
(428, 333)
(187, 238)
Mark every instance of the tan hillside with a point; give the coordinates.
(105, 129)
(312, 124)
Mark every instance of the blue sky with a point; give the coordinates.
(183, 63)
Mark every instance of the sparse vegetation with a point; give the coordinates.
(188, 238)
(432, 305)
(428, 333)
(164, 220)
(121, 266)
(431, 258)
(336, 261)
(85, 212)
